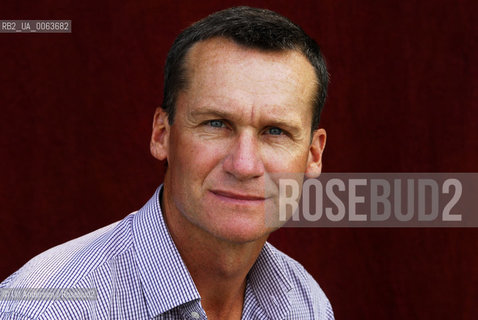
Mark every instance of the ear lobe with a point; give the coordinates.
(314, 161)
(160, 135)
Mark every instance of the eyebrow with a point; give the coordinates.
(212, 112)
(291, 126)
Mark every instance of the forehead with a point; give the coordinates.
(221, 70)
(223, 53)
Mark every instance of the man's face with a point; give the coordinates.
(244, 116)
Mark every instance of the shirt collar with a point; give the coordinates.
(269, 282)
(164, 276)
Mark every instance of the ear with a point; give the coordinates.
(314, 161)
(160, 136)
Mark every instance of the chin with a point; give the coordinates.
(242, 234)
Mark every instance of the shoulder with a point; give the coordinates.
(72, 265)
(305, 289)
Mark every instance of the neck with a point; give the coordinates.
(218, 267)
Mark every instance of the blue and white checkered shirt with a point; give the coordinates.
(137, 272)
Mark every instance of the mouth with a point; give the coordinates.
(236, 196)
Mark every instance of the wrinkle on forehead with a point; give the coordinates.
(206, 54)
(259, 83)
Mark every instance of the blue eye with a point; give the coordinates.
(216, 123)
(275, 131)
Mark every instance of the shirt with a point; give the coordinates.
(133, 270)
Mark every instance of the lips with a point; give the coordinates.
(237, 196)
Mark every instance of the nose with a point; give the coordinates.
(243, 159)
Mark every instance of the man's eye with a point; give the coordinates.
(216, 123)
(275, 131)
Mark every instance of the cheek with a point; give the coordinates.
(285, 160)
(193, 158)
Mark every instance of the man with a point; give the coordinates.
(243, 92)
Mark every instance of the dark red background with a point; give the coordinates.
(76, 111)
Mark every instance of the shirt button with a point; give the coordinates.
(195, 315)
